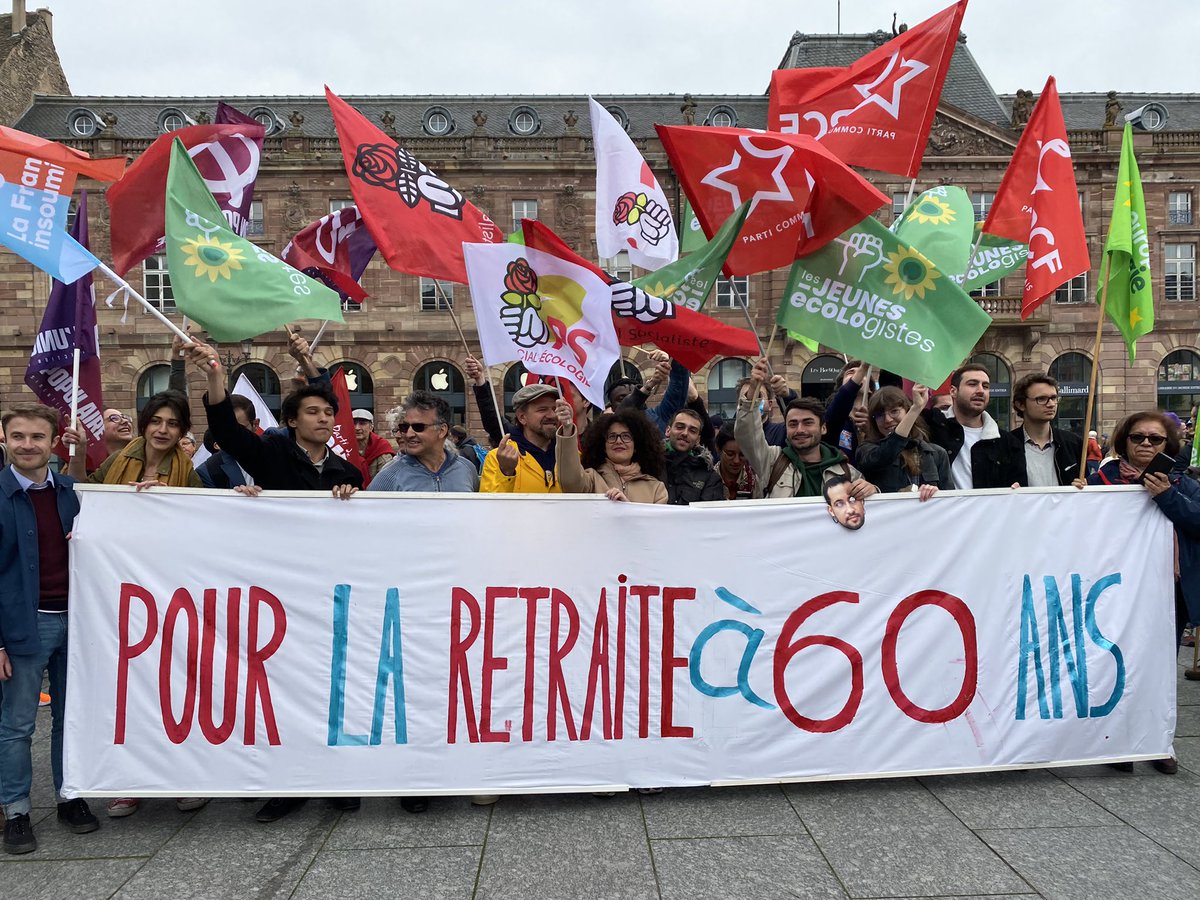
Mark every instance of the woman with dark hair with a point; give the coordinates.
(155, 456)
(733, 467)
(897, 455)
(1140, 437)
(620, 455)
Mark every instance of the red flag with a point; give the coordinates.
(418, 221)
(877, 112)
(344, 440)
(1037, 204)
(137, 202)
(688, 336)
(802, 196)
(75, 161)
(335, 249)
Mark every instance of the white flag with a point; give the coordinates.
(551, 314)
(266, 419)
(632, 212)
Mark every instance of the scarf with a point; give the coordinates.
(626, 473)
(129, 464)
(743, 483)
(812, 475)
(545, 458)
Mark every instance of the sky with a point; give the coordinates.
(267, 47)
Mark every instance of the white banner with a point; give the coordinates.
(463, 644)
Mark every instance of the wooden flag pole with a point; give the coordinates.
(762, 351)
(1091, 401)
(437, 285)
(771, 343)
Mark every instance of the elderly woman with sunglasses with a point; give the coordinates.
(621, 456)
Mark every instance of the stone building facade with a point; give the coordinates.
(532, 156)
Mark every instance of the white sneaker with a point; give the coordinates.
(484, 799)
(187, 804)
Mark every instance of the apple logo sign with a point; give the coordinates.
(524, 379)
(439, 380)
(351, 380)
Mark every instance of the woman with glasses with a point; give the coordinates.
(620, 455)
(897, 455)
(1137, 440)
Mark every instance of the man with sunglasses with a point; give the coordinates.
(1035, 455)
(421, 430)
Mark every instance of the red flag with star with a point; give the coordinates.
(801, 195)
(877, 112)
(688, 336)
(419, 222)
(1037, 204)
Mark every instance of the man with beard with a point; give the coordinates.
(689, 473)
(802, 466)
(966, 422)
(524, 463)
(844, 508)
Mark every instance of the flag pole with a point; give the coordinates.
(74, 393)
(317, 338)
(437, 286)
(761, 350)
(912, 186)
(149, 307)
(1091, 402)
(974, 250)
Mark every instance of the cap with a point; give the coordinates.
(531, 392)
(364, 414)
(1174, 418)
(1091, 434)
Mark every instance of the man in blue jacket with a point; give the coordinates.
(37, 511)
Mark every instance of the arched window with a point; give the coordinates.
(444, 380)
(622, 368)
(1000, 375)
(153, 381)
(514, 380)
(1073, 372)
(359, 383)
(819, 378)
(264, 380)
(1179, 382)
(722, 387)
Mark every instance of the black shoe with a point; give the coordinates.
(77, 817)
(1167, 766)
(414, 804)
(18, 835)
(278, 807)
(346, 804)
(1121, 767)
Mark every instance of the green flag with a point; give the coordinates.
(869, 295)
(941, 221)
(1130, 302)
(807, 342)
(228, 285)
(994, 258)
(691, 235)
(689, 280)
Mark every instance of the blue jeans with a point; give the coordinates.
(18, 713)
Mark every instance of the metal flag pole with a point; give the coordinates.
(317, 339)
(149, 307)
(1091, 401)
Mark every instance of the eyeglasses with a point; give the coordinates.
(1044, 401)
(619, 437)
(418, 427)
(117, 418)
(1154, 440)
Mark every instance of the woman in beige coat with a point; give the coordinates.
(620, 455)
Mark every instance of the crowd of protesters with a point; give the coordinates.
(867, 439)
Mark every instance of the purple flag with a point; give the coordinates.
(229, 166)
(335, 249)
(70, 322)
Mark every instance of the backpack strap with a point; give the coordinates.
(777, 470)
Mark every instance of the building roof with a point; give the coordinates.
(1083, 111)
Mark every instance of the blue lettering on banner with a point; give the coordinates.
(753, 637)
(337, 672)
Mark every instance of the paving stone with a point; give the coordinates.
(381, 823)
(1188, 752)
(1033, 799)
(1094, 863)
(1165, 809)
(736, 868)
(893, 837)
(1187, 722)
(436, 873)
(66, 879)
(141, 834)
(720, 812)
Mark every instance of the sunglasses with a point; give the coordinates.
(418, 427)
(1154, 440)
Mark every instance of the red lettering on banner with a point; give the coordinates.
(671, 662)
(644, 592)
(491, 663)
(891, 677)
(558, 651)
(619, 711)
(126, 651)
(181, 603)
(598, 674)
(256, 676)
(786, 649)
(460, 675)
(218, 734)
(531, 597)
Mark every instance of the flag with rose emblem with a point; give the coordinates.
(222, 281)
(632, 211)
(551, 314)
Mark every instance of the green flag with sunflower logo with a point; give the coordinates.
(689, 280)
(941, 221)
(229, 286)
(870, 295)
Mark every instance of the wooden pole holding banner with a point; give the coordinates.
(1091, 401)
(74, 393)
(437, 285)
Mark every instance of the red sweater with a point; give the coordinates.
(52, 551)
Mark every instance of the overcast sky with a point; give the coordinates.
(240, 47)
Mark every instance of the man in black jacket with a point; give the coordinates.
(689, 475)
(1034, 455)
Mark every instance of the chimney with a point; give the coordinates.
(18, 16)
(48, 18)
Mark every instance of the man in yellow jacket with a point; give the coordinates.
(524, 463)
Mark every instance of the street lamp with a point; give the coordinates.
(229, 359)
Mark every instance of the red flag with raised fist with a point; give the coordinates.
(418, 221)
(877, 112)
(1037, 204)
(801, 195)
(688, 336)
